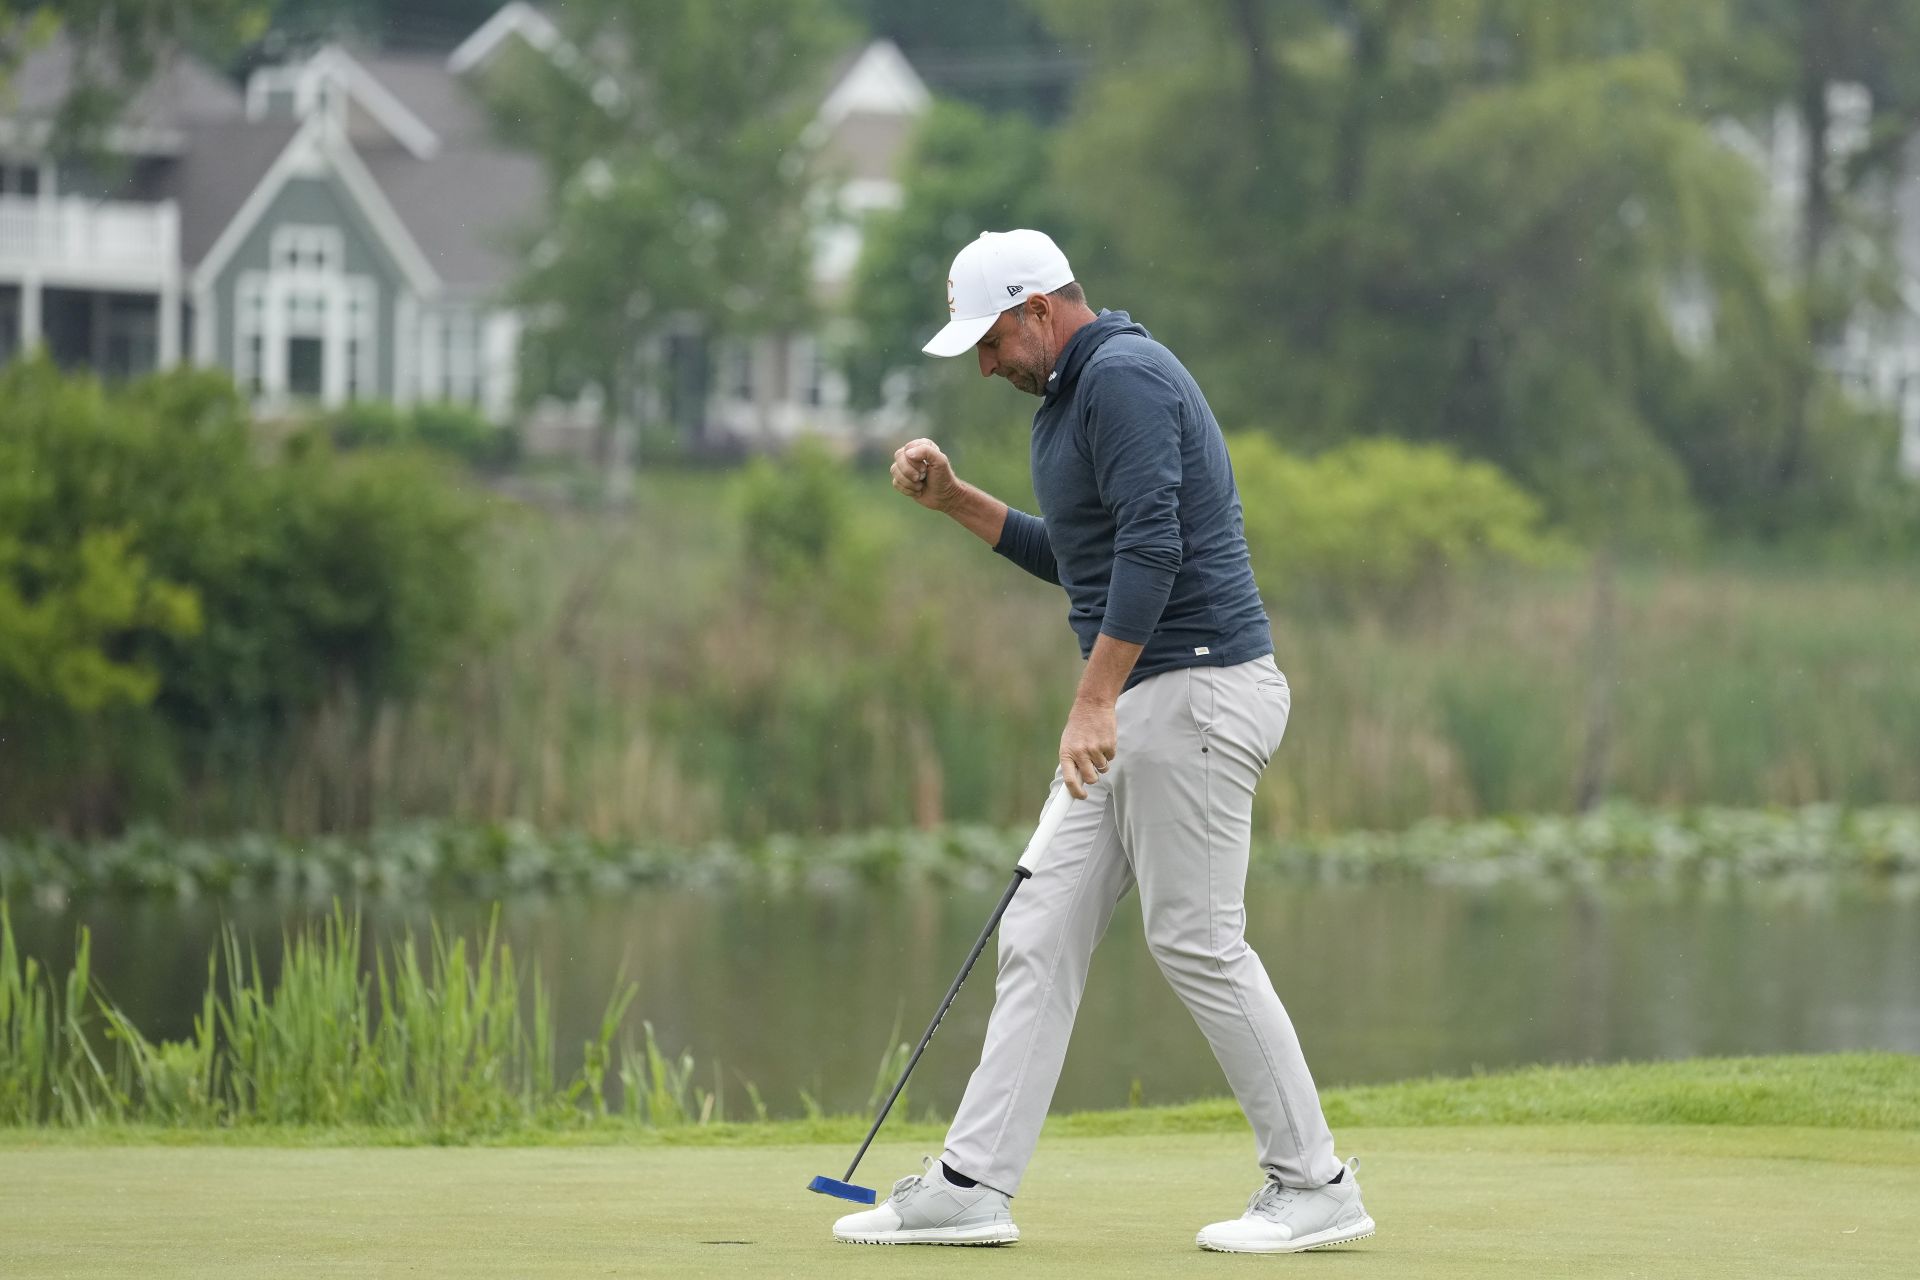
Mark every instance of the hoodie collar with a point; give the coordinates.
(1080, 349)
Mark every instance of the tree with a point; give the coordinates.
(1799, 52)
(1474, 222)
(116, 47)
(682, 181)
(968, 172)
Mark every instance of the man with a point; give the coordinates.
(1178, 711)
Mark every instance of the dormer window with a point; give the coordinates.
(318, 250)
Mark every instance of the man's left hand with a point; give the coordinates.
(1087, 746)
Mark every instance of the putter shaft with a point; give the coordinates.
(1020, 873)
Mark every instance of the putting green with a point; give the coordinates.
(1583, 1200)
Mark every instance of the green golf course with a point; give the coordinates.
(1461, 1201)
(1664, 1170)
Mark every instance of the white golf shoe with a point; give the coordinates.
(1294, 1219)
(927, 1209)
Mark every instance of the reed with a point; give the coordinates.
(646, 679)
(653, 684)
(457, 1038)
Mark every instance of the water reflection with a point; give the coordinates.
(800, 990)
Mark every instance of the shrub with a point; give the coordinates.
(451, 429)
(1380, 523)
(151, 565)
(463, 433)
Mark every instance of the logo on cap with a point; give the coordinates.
(949, 294)
(1014, 289)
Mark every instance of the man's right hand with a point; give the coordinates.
(924, 474)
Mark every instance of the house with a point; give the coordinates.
(346, 227)
(341, 231)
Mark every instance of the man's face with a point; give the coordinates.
(1016, 349)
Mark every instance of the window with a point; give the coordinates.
(249, 333)
(462, 377)
(19, 178)
(314, 250)
(739, 370)
(810, 374)
(132, 336)
(362, 351)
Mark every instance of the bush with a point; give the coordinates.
(815, 538)
(451, 429)
(1380, 523)
(464, 433)
(153, 569)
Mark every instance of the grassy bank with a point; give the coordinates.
(1621, 842)
(651, 676)
(1855, 1091)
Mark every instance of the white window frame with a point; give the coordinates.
(307, 249)
(305, 293)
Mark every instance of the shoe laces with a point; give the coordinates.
(1272, 1200)
(903, 1188)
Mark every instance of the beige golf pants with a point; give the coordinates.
(1173, 813)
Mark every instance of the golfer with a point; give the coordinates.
(1178, 711)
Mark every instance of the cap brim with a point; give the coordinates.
(959, 336)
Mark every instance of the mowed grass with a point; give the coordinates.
(1457, 1201)
(1796, 1166)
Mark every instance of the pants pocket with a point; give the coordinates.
(1274, 698)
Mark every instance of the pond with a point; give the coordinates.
(799, 990)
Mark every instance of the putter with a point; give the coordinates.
(1050, 819)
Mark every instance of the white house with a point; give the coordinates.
(346, 226)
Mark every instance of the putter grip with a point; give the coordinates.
(1050, 819)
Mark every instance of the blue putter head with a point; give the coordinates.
(845, 1190)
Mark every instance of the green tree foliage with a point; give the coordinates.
(813, 546)
(149, 560)
(1380, 523)
(116, 46)
(1502, 225)
(674, 134)
(971, 172)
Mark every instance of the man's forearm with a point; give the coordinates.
(1108, 667)
(983, 514)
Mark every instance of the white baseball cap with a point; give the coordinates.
(1001, 269)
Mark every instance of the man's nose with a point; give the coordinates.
(987, 365)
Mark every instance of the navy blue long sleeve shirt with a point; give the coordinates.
(1141, 519)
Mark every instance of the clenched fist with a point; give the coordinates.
(924, 474)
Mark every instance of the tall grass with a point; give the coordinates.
(456, 1041)
(49, 1071)
(648, 678)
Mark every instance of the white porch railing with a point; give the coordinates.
(91, 243)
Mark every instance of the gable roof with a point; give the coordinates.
(433, 94)
(182, 92)
(335, 67)
(222, 164)
(515, 19)
(317, 147)
(880, 81)
(464, 208)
